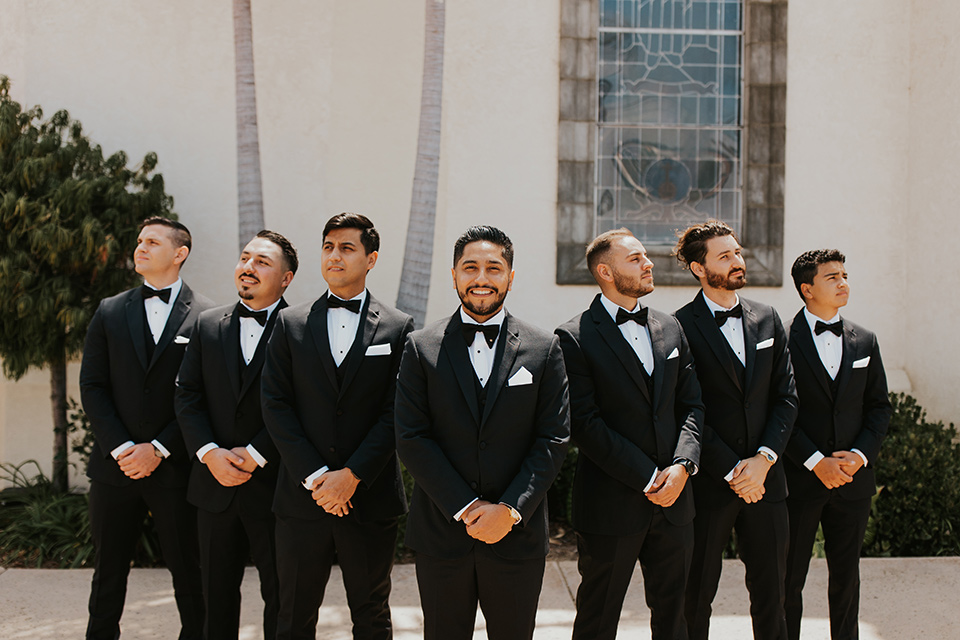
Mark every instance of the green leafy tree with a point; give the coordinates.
(68, 226)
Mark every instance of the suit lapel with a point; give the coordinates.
(259, 355)
(800, 334)
(181, 307)
(506, 355)
(317, 321)
(230, 339)
(368, 329)
(846, 362)
(659, 357)
(608, 330)
(751, 328)
(135, 320)
(456, 349)
(718, 343)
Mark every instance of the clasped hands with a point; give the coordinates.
(487, 522)
(230, 467)
(748, 478)
(667, 485)
(139, 461)
(838, 469)
(333, 490)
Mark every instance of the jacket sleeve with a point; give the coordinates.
(95, 389)
(689, 405)
(783, 404)
(190, 398)
(876, 408)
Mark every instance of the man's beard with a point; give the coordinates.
(487, 309)
(628, 287)
(724, 281)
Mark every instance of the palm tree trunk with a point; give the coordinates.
(249, 188)
(418, 253)
(58, 402)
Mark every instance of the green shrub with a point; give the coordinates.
(917, 509)
(560, 495)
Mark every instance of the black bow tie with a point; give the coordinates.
(640, 317)
(259, 316)
(489, 332)
(149, 292)
(333, 302)
(721, 316)
(835, 327)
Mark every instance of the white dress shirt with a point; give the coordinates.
(342, 327)
(830, 349)
(158, 312)
(250, 334)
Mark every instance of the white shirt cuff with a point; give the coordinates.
(729, 476)
(260, 460)
(652, 478)
(162, 449)
(769, 451)
(116, 452)
(862, 457)
(308, 483)
(205, 449)
(813, 460)
(459, 514)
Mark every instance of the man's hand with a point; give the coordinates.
(667, 485)
(851, 462)
(139, 461)
(334, 489)
(748, 478)
(488, 522)
(249, 464)
(225, 465)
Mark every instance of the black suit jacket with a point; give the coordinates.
(511, 452)
(125, 396)
(316, 422)
(855, 418)
(740, 418)
(218, 400)
(625, 432)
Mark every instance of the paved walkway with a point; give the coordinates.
(902, 599)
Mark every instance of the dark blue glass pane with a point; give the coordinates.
(708, 110)
(731, 81)
(731, 114)
(731, 50)
(731, 15)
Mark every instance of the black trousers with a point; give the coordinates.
(305, 552)
(507, 591)
(844, 524)
(762, 533)
(227, 540)
(116, 517)
(606, 565)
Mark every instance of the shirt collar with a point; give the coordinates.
(497, 319)
(812, 320)
(714, 307)
(269, 309)
(174, 289)
(362, 296)
(612, 307)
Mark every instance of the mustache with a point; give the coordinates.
(477, 286)
(247, 274)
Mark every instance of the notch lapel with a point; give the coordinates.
(850, 344)
(659, 366)
(230, 339)
(135, 315)
(751, 327)
(800, 333)
(260, 354)
(718, 344)
(610, 333)
(368, 329)
(456, 349)
(177, 314)
(503, 360)
(317, 321)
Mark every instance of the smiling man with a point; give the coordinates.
(844, 414)
(133, 350)
(740, 350)
(482, 425)
(235, 463)
(328, 390)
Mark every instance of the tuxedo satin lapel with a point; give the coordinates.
(368, 329)
(317, 321)
(751, 328)
(180, 310)
(505, 356)
(850, 344)
(718, 343)
(135, 321)
(610, 333)
(659, 358)
(456, 349)
(800, 333)
(230, 339)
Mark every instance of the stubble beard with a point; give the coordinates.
(490, 309)
(725, 281)
(627, 287)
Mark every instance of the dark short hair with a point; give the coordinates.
(599, 247)
(806, 265)
(481, 233)
(180, 234)
(290, 259)
(692, 242)
(369, 237)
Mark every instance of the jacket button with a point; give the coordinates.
(146, 391)
(739, 440)
(333, 449)
(746, 405)
(483, 445)
(339, 412)
(473, 485)
(830, 442)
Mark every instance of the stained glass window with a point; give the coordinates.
(669, 120)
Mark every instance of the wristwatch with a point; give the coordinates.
(688, 465)
(768, 456)
(513, 513)
(157, 452)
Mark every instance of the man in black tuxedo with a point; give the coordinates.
(635, 415)
(235, 462)
(740, 350)
(844, 414)
(131, 356)
(328, 388)
(483, 426)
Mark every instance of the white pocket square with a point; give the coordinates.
(378, 350)
(861, 363)
(521, 377)
(181, 340)
(673, 354)
(766, 344)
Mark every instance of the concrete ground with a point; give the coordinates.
(902, 599)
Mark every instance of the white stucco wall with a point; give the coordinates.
(871, 126)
